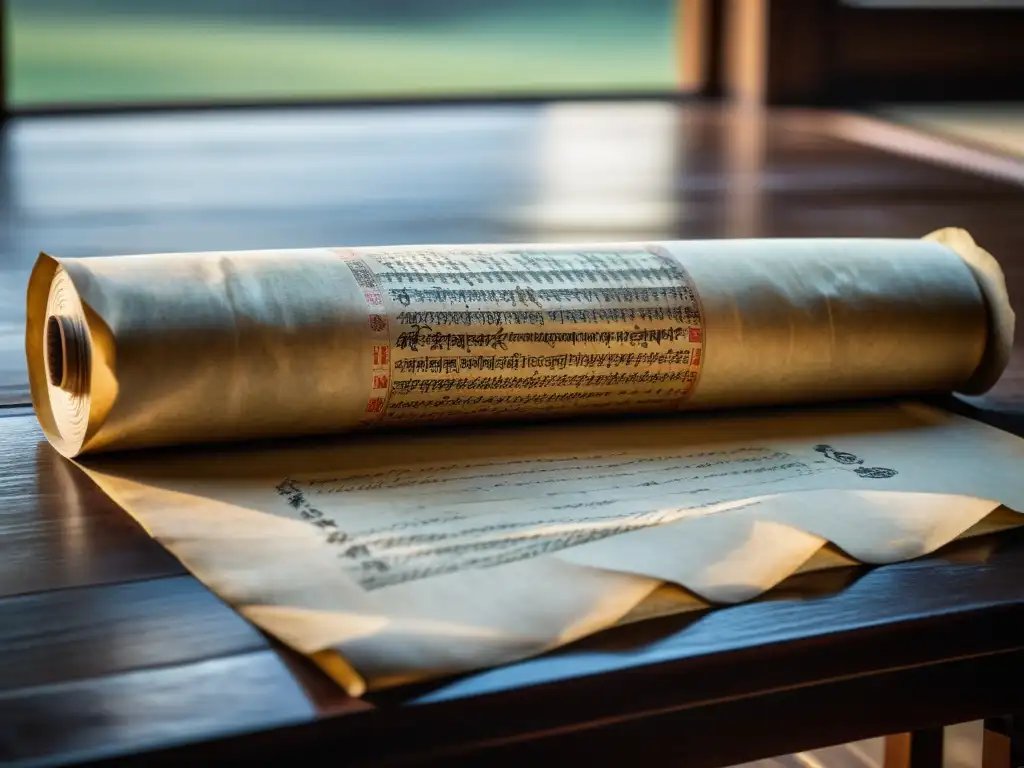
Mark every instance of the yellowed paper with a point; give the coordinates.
(402, 548)
(419, 554)
(131, 352)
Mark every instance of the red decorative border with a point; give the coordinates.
(380, 335)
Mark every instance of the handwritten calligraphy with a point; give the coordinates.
(480, 331)
(575, 500)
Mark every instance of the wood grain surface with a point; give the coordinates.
(109, 650)
(56, 529)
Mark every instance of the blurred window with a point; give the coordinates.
(81, 52)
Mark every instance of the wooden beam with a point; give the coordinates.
(919, 749)
(699, 46)
(828, 53)
(1003, 745)
(745, 50)
(778, 51)
(933, 54)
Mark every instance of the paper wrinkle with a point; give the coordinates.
(249, 344)
(554, 574)
(1001, 317)
(728, 558)
(393, 556)
(718, 558)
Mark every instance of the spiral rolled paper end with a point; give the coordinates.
(67, 354)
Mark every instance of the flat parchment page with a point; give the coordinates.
(437, 551)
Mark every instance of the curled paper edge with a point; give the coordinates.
(1001, 318)
(688, 597)
(35, 323)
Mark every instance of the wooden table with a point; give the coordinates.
(110, 649)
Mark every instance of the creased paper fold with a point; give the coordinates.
(387, 531)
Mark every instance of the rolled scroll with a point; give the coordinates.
(405, 555)
(129, 352)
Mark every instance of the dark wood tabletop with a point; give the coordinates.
(110, 650)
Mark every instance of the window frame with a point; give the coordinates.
(816, 53)
(681, 91)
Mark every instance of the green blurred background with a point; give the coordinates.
(85, 51)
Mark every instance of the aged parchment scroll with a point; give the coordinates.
(425, 549)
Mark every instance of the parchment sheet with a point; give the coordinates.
(132, 352)
(391, 545)
(404, 556)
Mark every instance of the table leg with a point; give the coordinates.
(919, 749)
(1003, 745)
